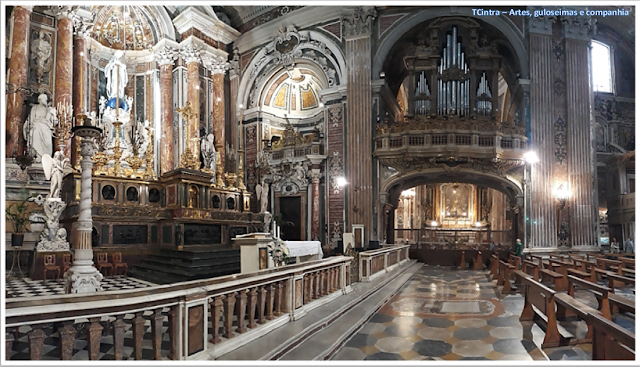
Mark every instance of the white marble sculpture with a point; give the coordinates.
(38, 128)
(267, 222)
(41, 55)
(53, 238)
(209, 154)
(54, 170)
(116, 73)
(262, 191)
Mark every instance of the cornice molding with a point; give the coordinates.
(208, 24)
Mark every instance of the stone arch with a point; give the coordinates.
(392, 187)
(501, 23)
(396, 183)
(268, 61)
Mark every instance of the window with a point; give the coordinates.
(601, 67)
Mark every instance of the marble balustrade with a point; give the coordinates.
(374, 263)
(262, 301)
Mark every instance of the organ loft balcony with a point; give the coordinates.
(449, 139)
(453, 104)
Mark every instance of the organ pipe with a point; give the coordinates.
(453, 95)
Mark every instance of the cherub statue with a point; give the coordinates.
(53, 170)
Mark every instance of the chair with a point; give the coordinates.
(67, 260)
(103, 262)
(117, 263)
(50, 265)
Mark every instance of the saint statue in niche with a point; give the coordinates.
(38, 128)
(116, 73)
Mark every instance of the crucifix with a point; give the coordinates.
(188, 158)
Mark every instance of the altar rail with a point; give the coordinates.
(206, 318)
(374, 263)
(471, 236)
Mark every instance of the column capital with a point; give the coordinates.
(28, 8)
(542, 23)
(81, 27)
(215, 64)
(63, 11)
(191, 53)
(358, 22)
(315, 175)
(234, 64)
(580, 27)
(166, 55)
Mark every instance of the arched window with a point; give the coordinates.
(601, 67)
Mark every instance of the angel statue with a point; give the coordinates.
(262, 191)
(53, 170)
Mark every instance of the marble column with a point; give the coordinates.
(543, 206)
(165, 58)
(234, 72)
(64, 65)
(82, 31)
(192, 59)
(582, 204)
(315, 204)
(218, 68)
(17, 77)
(359, 165)
(83, 277)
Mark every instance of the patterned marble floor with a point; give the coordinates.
(27, 287)
(443, 314)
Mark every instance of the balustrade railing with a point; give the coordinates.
(203, 318)
(374, 263)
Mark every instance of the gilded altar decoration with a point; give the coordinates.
(188, 159)
(150, 173)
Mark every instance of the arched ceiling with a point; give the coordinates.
(126, 27)
(293, 93)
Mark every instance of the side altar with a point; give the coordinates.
(181, 208)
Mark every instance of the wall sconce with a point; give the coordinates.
(341, 181)
(434, 223)
(562, 195)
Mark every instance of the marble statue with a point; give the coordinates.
(38, 128)
(41, 55)
(53, 170)
(53, 238)
(209, 154)
(116, 73)
(262, 191)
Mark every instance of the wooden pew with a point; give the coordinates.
(621, 303)
(536, 294)
(569, 306)
(555, 278)
(600, 292)
(494, 266)
(561, 267)
(616, 280)
(538, 258)
(610, 341)
(627, 263)
(531, 268)
(505, 275)
(515, 261)
(614, 264)
(520, 276)
(583, 265)
(477, 264)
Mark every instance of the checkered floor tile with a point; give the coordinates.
(35, 288)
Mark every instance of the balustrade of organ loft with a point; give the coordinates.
(452, 100)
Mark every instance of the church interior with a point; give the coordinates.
(332, 183)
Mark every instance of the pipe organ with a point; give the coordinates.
(453, 80)
(459, 78)
(483, 97)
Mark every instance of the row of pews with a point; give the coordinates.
(548, 286)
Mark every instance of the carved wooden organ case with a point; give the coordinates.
(454, 71)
